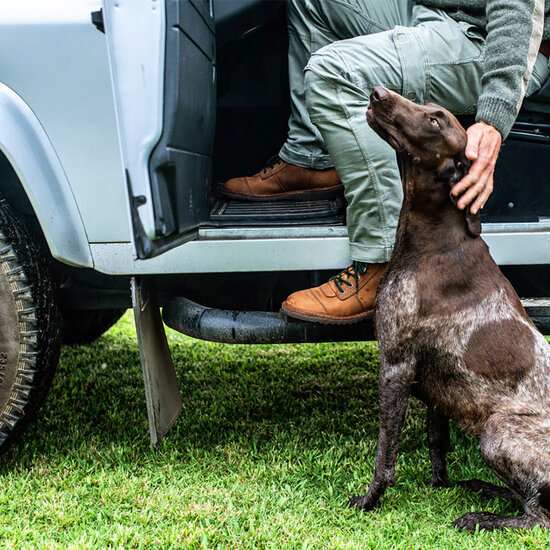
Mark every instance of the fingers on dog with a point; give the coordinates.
(474, 191)
(482, 198)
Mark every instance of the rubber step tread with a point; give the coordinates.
(294, 212)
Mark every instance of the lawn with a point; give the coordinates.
(271, 442)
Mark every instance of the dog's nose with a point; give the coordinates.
(379, 93)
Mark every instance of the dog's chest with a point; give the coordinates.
(466, 360)
(420, 318)
(424, 310)
(397, 308)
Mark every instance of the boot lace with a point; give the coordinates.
(271, 163)
(353, 272)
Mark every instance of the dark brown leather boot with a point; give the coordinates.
(347, 298)
(280, 180)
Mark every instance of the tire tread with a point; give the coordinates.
(26, 267)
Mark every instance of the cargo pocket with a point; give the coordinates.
(472, 32)
(414, 63)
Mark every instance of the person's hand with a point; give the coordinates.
(482, 149)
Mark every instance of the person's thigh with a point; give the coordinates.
(435, 61)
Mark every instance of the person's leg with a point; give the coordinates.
(433, 61)
(313, 24)
(304, 169)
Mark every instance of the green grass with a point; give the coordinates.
(271, 442)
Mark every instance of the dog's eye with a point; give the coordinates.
(434, 122)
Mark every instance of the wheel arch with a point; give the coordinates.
(33, 181)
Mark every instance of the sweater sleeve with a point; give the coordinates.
(514, 34)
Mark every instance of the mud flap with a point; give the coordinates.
(162, 394)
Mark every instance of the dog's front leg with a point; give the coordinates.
(395, 383)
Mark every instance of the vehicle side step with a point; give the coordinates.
(263, 327)
(255, 327)
(306, 212)
(539, 311)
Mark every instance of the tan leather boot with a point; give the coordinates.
(347, 298)
(280, 180)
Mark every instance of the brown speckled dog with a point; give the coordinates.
(452, 330)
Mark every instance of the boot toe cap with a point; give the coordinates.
(304, 301)
(237, 186)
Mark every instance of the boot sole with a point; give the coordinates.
(329, 193)
(326, 320)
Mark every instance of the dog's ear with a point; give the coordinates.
(455, 172)
(473, 222)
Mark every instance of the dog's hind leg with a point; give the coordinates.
(487, 490)
(395, 382)
(517, 448)
(439, 445)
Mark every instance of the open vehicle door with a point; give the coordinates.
(162, 56)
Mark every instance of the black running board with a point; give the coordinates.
(255, 327)
(291, 213)
(263, 327)
(539, 311)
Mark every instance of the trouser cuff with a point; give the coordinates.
(369, 254)
(318, 162)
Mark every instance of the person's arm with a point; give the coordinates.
(514, 34)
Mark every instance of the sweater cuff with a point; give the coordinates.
(498, 113)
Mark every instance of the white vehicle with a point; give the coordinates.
(118, 119)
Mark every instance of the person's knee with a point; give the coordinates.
(325, 62)
(323, 74)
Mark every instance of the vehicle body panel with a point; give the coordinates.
(57, 62)
(33, 159)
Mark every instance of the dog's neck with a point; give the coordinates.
(429, 221)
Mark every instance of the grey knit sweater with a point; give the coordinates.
(514, 31)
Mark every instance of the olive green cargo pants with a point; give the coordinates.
(349, 46)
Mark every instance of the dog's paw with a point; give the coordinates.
(362, 502)
(483, 520)
(436, 482)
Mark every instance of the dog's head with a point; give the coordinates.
(427, 137)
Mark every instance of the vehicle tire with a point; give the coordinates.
(30, 326)
(85, 326)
